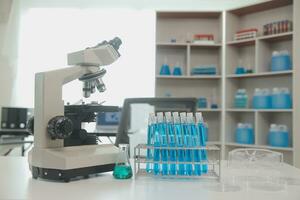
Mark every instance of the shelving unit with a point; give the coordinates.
(182, 26)
(227, 54)
(256, 54)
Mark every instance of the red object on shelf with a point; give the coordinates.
(204, 36)
(247, 30)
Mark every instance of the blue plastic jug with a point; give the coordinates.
(244, 134)
(278, 136)
(281, 98)
(261, 99)
(281, 61)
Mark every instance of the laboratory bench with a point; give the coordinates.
(16, 183)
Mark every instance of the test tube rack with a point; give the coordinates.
(213, 162)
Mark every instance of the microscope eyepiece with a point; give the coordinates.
(116, 43)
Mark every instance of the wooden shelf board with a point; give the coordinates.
(216, 45)
(171, 44)
(268, 38)
(277, 37)
(182, 14)
(188, 77)
(240, 43)
(261, 74)
(259, 7)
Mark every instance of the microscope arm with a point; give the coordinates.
(48, 100)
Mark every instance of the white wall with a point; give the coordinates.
(8, 63)
(7, 74)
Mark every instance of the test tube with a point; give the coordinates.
(150, 141)
(163, 142)
(179, 143)
(187, 143)
(195, 143)
(202, 129)
(172, 142)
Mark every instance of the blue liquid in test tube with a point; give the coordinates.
(179, 143)
(156, 152)
(202, 129)
(162, 126)
(150, 137)
(187, 143)
(195, 143)
(172, 143)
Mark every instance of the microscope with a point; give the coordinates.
(50, 158)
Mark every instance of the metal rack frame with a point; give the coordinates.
(214, 168)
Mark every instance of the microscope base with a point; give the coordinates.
(66, 175)
(63, 164)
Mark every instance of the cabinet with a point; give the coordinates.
(226, 54)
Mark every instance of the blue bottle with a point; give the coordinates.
(244, 134)
(179, 143)
(172, 143)
(202, 129)
(241, 99)
(150, 141)
(187, 143)
(162, 127)
(281, 98)
(278, 136)
(195, 143)
(281, 61)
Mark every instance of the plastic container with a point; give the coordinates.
(278, 136)
(261, 99)
(281, 61)
(202, 102)
(241, 99)
(244, 134)
(281, 98)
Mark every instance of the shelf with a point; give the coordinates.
(170, 14)
(277, 37)
(209, 110)
(257, 110)
(188, 77)
(261, 74)
(260, 146)
(269, 38)
(240, 43)
(174, 44)
(216, 45)
(268, 5)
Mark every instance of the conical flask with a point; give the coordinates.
(122, 168)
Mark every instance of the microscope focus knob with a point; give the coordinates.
(60, 127)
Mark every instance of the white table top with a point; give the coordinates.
(16, 183)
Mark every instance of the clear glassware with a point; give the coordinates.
(123, 168)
